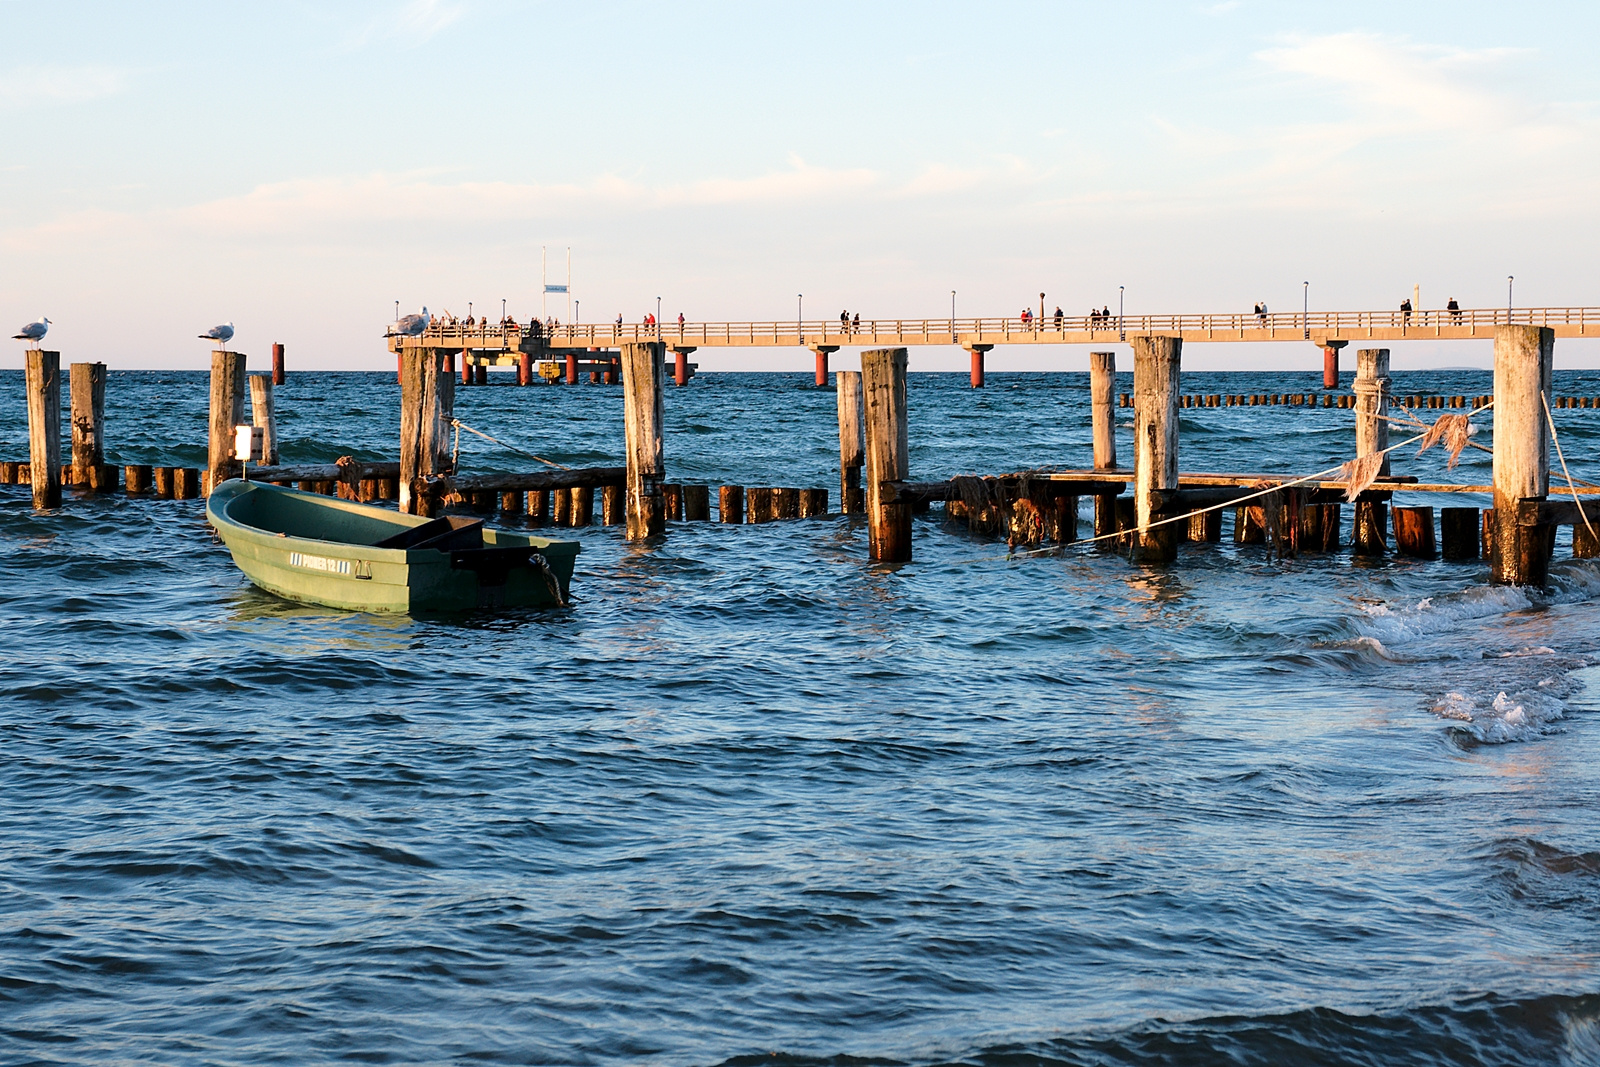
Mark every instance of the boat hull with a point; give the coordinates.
(321, 550)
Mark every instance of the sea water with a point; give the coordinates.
(754, 800)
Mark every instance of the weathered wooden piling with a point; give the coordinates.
(852, 453)
(730, 504)
(427, 404)
(227, 412)
(582, 505)
(136, 478)
(1155, 440)
(642, 370)
(1459, 533)
(164, 482)
(672, 500)
(1522, 367)
(1585, 541)
(261, 414)
(537, 505)
(1103, 422)
(613, 505)
(277, 364)
(1372, 435)
(696, 503)
(813, 502)
(511, 502)
(1413, 532)
(786, 503)
(560, 507)
(44, 427)
(759, 504)
(88, 383)
(1204, 526)
(883, 383)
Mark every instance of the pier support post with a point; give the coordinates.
(977, 363)
(1522, 363)
(1102, 417)
(852, 453)
(427, 402)
(883, 380)
(466, 368)
(643, 367)
(1330, 363)
(680, 365)
(227, 411)
(277, 363)
(572, 368)
(88, 383)
(823, 352)
(1372, 435)
(44, 427)
(1155, 440)
(524, 368)
(261, 415)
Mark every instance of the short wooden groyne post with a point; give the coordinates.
(261, 415)
(44, 427)
(1155, 441)
(88, 383)
(1520, 554)
(730, 504)
(427, 403)
(852, 453)
(227, 412)
(1102, 419)
(1372, 435)
(883, 380)
(643, 368)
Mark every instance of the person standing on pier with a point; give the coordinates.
(844, 322)
(855, 323)
(1454, 309)
(1058, 316)
(1405, 311)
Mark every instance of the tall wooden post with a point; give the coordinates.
(227, 411)
(1522, 363)
(883, 380)
(852, 453)
(44, 427)
(1103, 422)
(261, 415)
(1372, 435)
(643, 369)
(427, 403)
(277, 364)
(1155, 440)
(88, 381)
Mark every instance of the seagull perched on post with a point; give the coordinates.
(34, 331)
(412, 325)
(220, 334)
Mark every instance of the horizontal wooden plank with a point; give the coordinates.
(324, 472)
(583, 477)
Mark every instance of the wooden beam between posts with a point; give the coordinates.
(883, 380)
(1156, 363)
(1522, 367)
(643, 366)
(44, 427)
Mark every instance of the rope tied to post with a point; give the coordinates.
(459, 426)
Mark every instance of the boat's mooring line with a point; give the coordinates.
(459, 426)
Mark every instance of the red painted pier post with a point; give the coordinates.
(680, 367)
(572, 368)
(525, 368)
(277, 364)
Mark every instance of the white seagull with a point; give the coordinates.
(34, 331)
(221, 334)
(412, 325)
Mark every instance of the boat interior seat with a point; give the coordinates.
(448, 533)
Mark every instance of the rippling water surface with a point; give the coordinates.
(753, 800)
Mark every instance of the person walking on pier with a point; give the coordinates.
(1058, 316)
(855, 323)
(1455, 311)
(1405, 311)
(1261, 312)
(844, 322)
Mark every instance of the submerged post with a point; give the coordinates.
(1520, 554)
(44, 427)
(1155, 440)
(883, 379)
(261, 415)
(427, 404)
(851, 451)
(1372, 435)
(1102, 417)
(643, 367)
(88, 381)
(227, 412)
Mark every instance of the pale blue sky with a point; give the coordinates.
(296, 167)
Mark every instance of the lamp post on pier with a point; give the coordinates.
(799, 315)
(1305, 308)
(952, 313)
(1122, 329)
(397, 311)
(1510, 278)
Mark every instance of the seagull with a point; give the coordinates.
(221, 334)
(34, 331)
(412, 325)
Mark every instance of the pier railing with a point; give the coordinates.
(1316, 326)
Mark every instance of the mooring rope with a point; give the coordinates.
(459, 425)
(1560, 455)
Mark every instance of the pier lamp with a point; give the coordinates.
(799, 314)
(1510, 278)
(1305, 308)
(1041, 307)
(469, 309)
(502, 309)
(658, 313)
(952, 314)
(577, 312)
(1122, 330)
(397, 311)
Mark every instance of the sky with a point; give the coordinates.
(297, 167)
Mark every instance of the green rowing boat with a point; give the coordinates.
(321, 550)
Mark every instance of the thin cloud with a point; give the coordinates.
(33, 86)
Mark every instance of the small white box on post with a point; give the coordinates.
(248, 445)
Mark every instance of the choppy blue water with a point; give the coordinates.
(754, 801)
